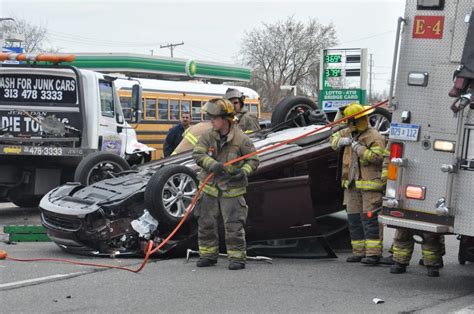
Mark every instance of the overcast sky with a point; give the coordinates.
(211, 30)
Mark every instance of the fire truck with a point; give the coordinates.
(430, 183)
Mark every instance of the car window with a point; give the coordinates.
(106, 98)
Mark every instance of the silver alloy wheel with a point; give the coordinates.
(103, 170)
(380, 123)
(294, 111)
(178, 193)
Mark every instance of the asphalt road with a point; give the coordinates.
(288, 285)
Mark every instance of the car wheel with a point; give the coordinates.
(289, 108)
(380, 120)
(99, 166)
(169, 193)
(27, 201)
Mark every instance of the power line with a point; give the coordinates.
(368, 37)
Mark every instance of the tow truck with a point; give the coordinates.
(59, 123)
(431, 170)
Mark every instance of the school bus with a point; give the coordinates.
(165, 101)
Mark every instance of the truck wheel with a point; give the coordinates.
(29, 201)
(289, 108)
(380, 120)
(99, 166)
(169, 193)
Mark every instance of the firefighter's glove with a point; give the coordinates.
(218, 169)
(344, 141)
(357, 147)
(237, 176)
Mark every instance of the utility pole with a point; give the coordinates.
(171, 46)
(371, 64)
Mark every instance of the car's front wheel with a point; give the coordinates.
(169, 193)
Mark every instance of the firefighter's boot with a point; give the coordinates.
(206, 262)
(354, 259)
(371, 260)
(387, 260)
(398, 268)
(236, 265)
(433, 271)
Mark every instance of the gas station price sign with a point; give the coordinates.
(332, 58)
(333, 72)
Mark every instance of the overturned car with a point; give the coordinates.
(291, 196)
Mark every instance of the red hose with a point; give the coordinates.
(149, 249)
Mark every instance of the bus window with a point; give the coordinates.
(204, 115)
(163, 109)
(174, 109)
(196, 114)
(126, 103)
(185, 106)
(150, 108)
(253, 108)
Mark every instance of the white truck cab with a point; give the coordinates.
(59, 123)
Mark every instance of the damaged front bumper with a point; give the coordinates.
(99, 219)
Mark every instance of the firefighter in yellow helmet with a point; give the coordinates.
(223, 195)
(364, 152)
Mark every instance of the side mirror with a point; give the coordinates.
(120, 118)
(136, 103)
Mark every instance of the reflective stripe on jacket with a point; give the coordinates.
(362, 169)
(211, 149)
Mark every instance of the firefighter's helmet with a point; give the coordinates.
(219, 107)
(355, 108)
(359, 121)
(234, 93)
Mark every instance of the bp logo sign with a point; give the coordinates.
(191, 68)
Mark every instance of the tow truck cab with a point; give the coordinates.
(54, 119)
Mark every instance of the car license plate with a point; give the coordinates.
(404, 132)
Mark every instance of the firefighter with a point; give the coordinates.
(223, 195)
(364, 152)
(246, 121)
(432, 249)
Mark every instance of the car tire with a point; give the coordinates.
(27, 201)
(175, 185)
(96, 167)
(289, 107)
(380, 119)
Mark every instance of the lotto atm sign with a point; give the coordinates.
(428, 27)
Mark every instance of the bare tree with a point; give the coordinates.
(286, 53)
(35, 36)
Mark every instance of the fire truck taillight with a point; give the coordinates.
(415, 192)
(396, 151)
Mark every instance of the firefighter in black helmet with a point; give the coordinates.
(223, 195)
